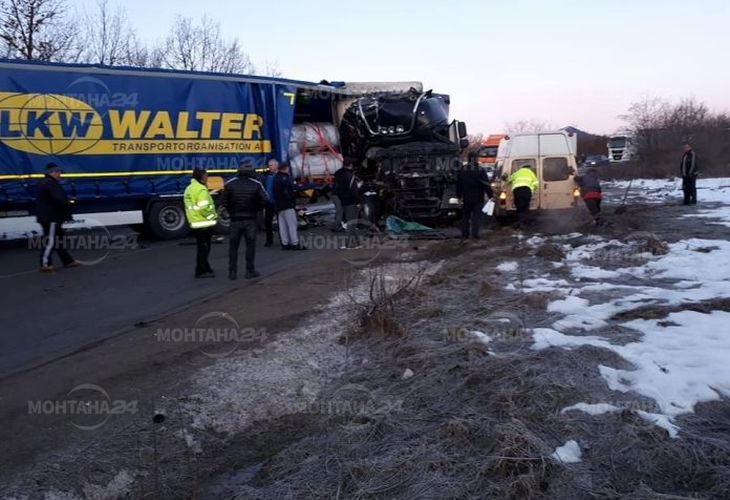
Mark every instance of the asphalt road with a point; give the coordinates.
(125, 281)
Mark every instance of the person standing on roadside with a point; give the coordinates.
(689, 170)
(285, 204)
(472, 183)
(347, 189)
(590, 191)
(52, 210)
(269, 210)
(244, 197)
(202, 216)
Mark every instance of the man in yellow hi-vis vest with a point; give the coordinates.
(523, 183)
(202, 217)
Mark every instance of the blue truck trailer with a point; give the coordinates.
(127, 139)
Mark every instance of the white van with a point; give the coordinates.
(552, 156)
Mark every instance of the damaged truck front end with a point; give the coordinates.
(406, 151)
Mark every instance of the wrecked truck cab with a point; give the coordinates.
(406, 151)
(552, 157)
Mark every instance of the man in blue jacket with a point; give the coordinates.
(285, 204)
(52, 210)
(270, 210)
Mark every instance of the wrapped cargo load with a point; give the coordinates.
(314, 166)
(313, 151)
(313, 136)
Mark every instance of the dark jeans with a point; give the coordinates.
(689, 186)
(338, 213)
(522, 197)
(269, 214)
(594, 206)
(203, 238)
(247, 230)
(351, 214)
(53, 241)
(471, 218)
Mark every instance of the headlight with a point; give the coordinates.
(576, 193)
(502, 195)
(391, 130)
(400, 129)
(383, 130)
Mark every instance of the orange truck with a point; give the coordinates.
(487, 153)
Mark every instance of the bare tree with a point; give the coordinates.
(660, 126)
(201, 47)
(140, 55)
(37, 29)
(108, 36)
(648, 113)
(527, 127)
(271, 69)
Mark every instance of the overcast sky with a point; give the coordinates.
(579, 62)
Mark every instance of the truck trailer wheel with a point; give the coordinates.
(166, 220)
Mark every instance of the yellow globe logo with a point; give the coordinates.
(48, 124)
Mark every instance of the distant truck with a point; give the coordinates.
(621, 147)
(128, 139)
(487, 152)
(552, 156)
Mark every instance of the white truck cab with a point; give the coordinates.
(621, 146)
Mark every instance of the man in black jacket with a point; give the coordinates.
(52, 210)
(472, 184)
(243, 198)
(347, 189)
(285, 204)
(689, 169)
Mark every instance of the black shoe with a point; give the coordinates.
(232, 275)
(252, 274)
(298, 247)
(207, 274)
(269, 244)
(287, 247)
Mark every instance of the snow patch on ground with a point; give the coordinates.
(569, 453)
(663, 190)
(720, 215)
(544, 285)
(591, 409)
(119, 487)
(507, 267)
(680, 360)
